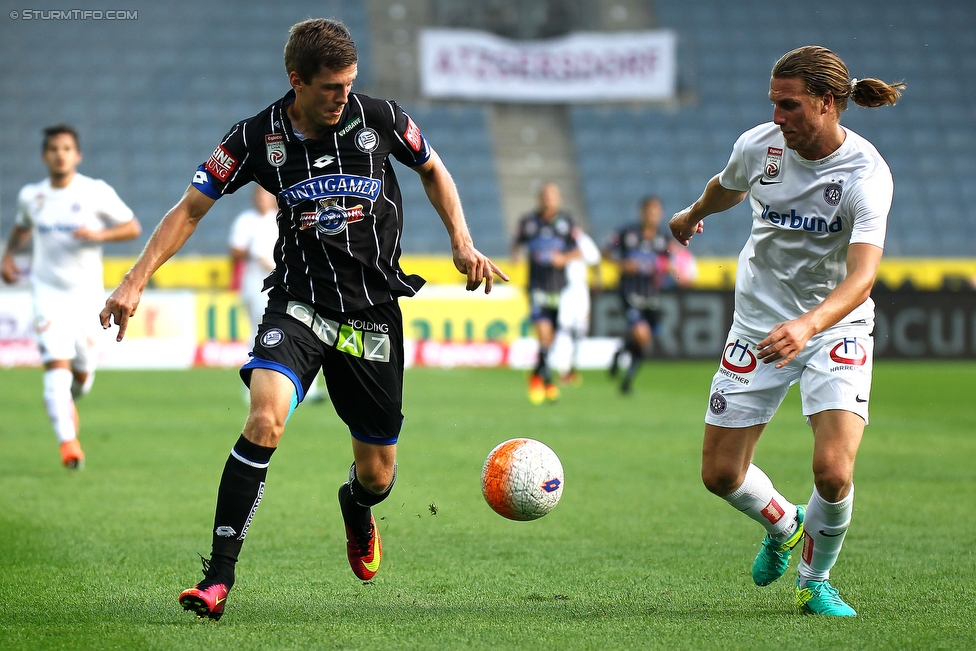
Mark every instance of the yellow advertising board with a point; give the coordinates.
(438, 313)
(221, 317)
(451, 313)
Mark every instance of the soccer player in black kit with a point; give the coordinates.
(641, 252)
(324, 152)
(548, 233)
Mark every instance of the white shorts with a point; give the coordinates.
(574, 310)
(834, 372)
(66, 327)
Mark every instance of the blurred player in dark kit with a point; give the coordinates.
(641, 253)
(547, 234)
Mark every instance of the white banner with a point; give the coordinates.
(580, 68)
(162, 334)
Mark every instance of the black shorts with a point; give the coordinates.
(637, 313)
(360, 354)
(544, 305)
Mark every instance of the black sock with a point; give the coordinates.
(635, 361)
(355, 502)
(240, 492)
(542, 366)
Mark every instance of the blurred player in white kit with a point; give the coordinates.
(67, 216)
(252, 242)
(574, 302)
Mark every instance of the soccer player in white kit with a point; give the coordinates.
(67, 216)
(820, 196)
(574, 302)
(252, 241)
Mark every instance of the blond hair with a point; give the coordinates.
(824, 72)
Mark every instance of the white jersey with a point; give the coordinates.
(256, 234)
(576, 269)
(61, 262)
(805, 216)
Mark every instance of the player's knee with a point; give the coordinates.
(263, 427)
(376, 478)
(832, 484)
(720, 480)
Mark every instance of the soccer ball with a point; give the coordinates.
(522, 479)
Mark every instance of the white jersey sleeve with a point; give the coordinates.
(869, 202)
(111, 210)
(23, 218)
(735, 176)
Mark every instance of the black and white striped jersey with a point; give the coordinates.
(542, 239)
(339, 208)
(630, 244)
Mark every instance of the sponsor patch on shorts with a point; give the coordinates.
(272, 337)
(717, 404)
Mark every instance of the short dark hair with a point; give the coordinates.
(318, 43)
(57, 130)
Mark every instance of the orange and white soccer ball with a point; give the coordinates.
(522, 479)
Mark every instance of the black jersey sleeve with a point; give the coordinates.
(409, 145)
(224, 172)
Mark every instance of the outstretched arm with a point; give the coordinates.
(687, 223)
(170, 235)
(443, 195)
(787, 339)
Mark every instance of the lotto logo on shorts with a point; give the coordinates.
(738, 362)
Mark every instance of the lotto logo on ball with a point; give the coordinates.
(522, 479)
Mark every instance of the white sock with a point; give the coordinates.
(60, 405)
(757, 498)
(824, 529)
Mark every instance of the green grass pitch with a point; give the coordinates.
(636, 555)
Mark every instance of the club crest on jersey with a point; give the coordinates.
(367, 141)
(275, 145)
(739, 363)
(849, 352)
(832, 194)
(330, 218)
(774, 162)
